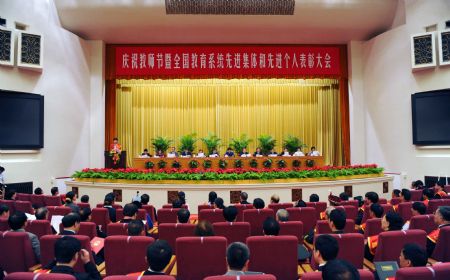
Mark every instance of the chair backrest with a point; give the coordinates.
(241, 208)
(48, 249)
(317, 275)
(151, 211)
(354, 203)
(390, 243)
(373, 227)
(435, 204)
(243, 277)
(277, 206)
(351, 212)
(307, 215)
(404, 210)
(442, 271)
(23, 196)
(294, 228)
(352, 245)
(133, 247)
(386, 208)
(10, 204)
(256, 217)
(150, 277)
(322, 227)
(39, 227)
(4, 226)
(140, 214)
(233, 232)
(395, 201)
(50, 200)
(416, 195)
(171, 231)
(24, 206)
(117, 229)
(282, 259)
(115, 206)
(100, 217)
(169, 206)
(167, 215)
(199, 257)
(20, 256)
(38, 276)
(58, 210)
(200, 207)
(211, 215)
(88, 229)
(415, 273)
(441, 251)
(382, 200)
(83, 205)
(423, 222)
(320, 207)
(37, 200)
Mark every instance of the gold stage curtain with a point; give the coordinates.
(308, 109)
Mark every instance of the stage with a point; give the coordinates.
(197, 193)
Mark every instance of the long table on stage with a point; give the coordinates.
(304, 161)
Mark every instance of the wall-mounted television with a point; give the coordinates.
(431, 117)
(21, 120)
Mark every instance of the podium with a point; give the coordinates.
(122, 163)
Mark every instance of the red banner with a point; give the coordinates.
(219, 61)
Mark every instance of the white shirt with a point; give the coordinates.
(286, 154)
(298, 154)
(213, 155)
(246, 155)
(200, 155)
(314, 154)
(171, 155)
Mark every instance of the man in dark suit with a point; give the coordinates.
(129, 213)
(71, 224)
(326, 249)
(442, 219)
(158, 257)
(67, 252)
(108, 204)
(17, 223)
(243, 198)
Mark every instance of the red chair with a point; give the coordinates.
(416, 195)
(363, 274)
(277, 206)
(37, 200)
(353, 248)
(83, 205)
(256, 217)
(88, 229)
(351, 211)
(386, 208)
(21, 256)
(115, 206)
(382, 200)
(50, 200)
(275, 255)
(294, 228)
(307, 215)
(140, 214)
(4, 226)
(436, 272)
(373, 227)
(10, 204)
(404, 210)
(423, 222)
(133, 247)
(434, 204)
(199, 257)
(117, 229)
(151, 277)
(48, 249)
(170, 232)
(354, 203)
(39, 227)
(169, 206)
(211, 215)
(241, 208)
(58, 210)
(151, 211)
(38, 276)
(100, 217)
(322, 227)
(243, 277)
(442, 271)
(204, 206)
(319, 206)
(390, 243)
(166, 215)
(395, 201)
(233, 232)
(24, 206)
(23, 196)
(442, 250)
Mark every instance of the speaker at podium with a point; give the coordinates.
(115, 161)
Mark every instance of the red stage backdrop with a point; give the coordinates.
(224, 60)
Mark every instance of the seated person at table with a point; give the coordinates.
(145, 154)
(183, 216)
(238, 256)
(71, 224)
(136, 228)
(200, 154)
(67, 252)
(258, 152)
(159, 154)
(243, 198)
(412, 255)
(272, 153)
(244, 153)
(285, 153)
(313, 152)
(185, 153)
(442, 219)
(129, 213)
(173, 153)
(418, 208)
(230, 213)
(299, 153)
(229, 153)
(17, 222)
(326, 248)
(4, 211)
(214, 153)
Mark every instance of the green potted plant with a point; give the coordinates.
(310, 162)
(212, 142)
(240, 143)
(253, 163)
(266, 143)
(296, 163)
(267, 163)
(238, 163)
(223, 164)
(281, 163)
(149, 165)
(207, 164)
(161, 143)
(193, 164)
(187, 142)
(176, 164)
(292, 143)
(162, 164)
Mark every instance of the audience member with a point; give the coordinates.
(137, 203)
(343, 196)
(258, 203)
(41, 213)
(243, 198)
(326, 248)
(369, 199)
(108, 204)
(418, 208)
(10, 194)
(204, 228)
(230, 213)
(396, 193)
(282, 215)
(182, 197)
(428, 194)
(38, 191)
(71, 197)
(440, 191)
(158, 257)
(17, 223)
(417, 185)
(85, 216)
(136, 228)
(54, 191)
(84, 198)
(405, 195)
(145, 199)
(183, 216)
(275, 198)
(71, 224)
(238, 256)
(314, 198)
(129, 213)
(300, 203)
(375, 211)
(337, 221)
(442, 219)
(211, 198)
(218, 203)
(67, 252)
(271, 226)
(340, 270)
(413, 255)
(4, 211)
(177, 203)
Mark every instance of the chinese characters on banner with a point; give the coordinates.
(268, 61)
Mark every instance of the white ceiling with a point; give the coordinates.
(145, 21)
